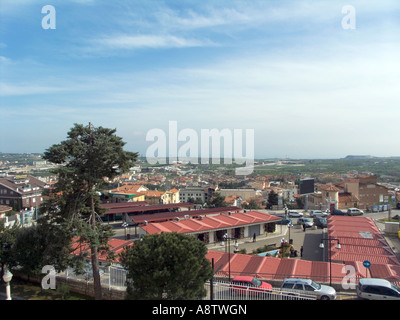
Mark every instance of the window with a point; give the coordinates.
(373, 290)
(389, 292)
(298, 286)
(308, 287)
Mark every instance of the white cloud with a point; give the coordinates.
(147, 41)
(4, 60)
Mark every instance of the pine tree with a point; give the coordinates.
(85, 159)
(169, 266)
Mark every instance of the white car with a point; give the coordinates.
(377, 289)
(318, 213)
(354, 212)
(295, 214)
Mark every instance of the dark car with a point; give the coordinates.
(320, 222)
(337, 212)
(284, 221)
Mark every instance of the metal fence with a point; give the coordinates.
(224, 291)
(115, 277)
(276, 279)
(110, 277)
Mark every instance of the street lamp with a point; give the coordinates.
(290, 225)
(7, 276)
(321, 245)
(125, 225)
(226, 237)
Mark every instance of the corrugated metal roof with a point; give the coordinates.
(210, 223)
(156, 207)
(164, 216)
(354, 250)
(275, 268)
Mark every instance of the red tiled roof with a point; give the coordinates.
(356, 247)
(210, 223)
(361, 240)
(388, 272)
(276, 268)
(329, 187)
(156, 207)
(165, 216)
(115, 245)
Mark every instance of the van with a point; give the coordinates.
(354, 212)
(308, 287)
(377, 289)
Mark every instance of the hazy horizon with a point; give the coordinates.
(313, 80)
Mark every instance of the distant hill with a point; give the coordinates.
(358, 157)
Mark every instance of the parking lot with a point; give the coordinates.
(309, 239)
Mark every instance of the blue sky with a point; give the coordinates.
(287, 69)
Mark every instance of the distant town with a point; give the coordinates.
(282, 197)
(354, 181)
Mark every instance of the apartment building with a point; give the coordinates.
(21, 191)
(370, 193)
(363, 192)
(196, 193)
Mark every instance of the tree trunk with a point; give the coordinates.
(96, 274)
(95, 258)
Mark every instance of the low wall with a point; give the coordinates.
(392, 227)
(87, 289)
(82, 287)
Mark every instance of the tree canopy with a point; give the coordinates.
(167, 266)
(85, 159)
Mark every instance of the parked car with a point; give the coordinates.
(284, 221)
(294, 214)
(309, 287)
(377, 289)
(337, 212)
(354, 212)
(248, 285)
(320, 222)
(318, 213)
(305, 221)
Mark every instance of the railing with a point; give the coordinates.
(224, 291)
(110, 276)
(276, 279)
(115, 277)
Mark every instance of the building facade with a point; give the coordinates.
(195, 193)
(21, 192)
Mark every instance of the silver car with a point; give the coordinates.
(318, 213)
(377, 289)
(295, 214)
(309, 287)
